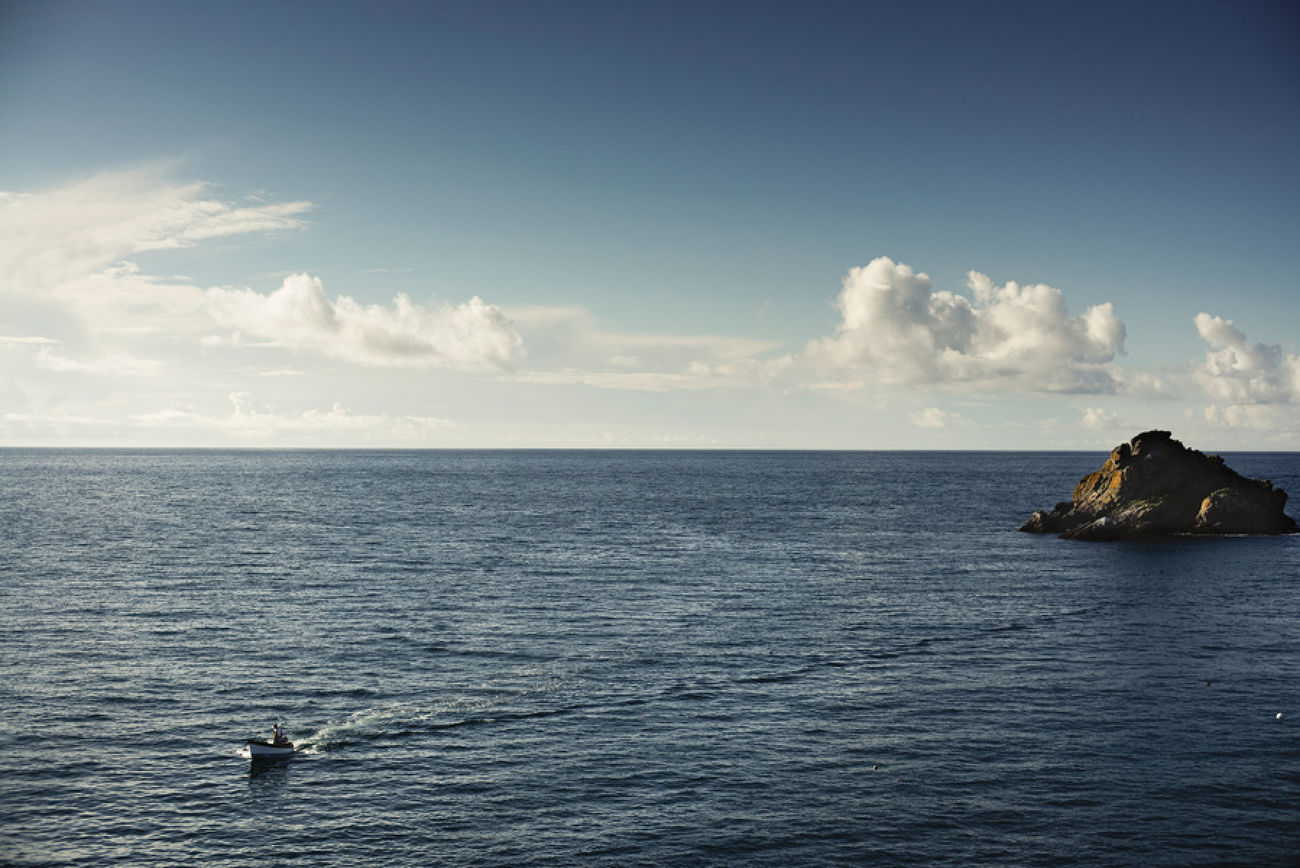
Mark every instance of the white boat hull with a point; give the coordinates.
(267, 749)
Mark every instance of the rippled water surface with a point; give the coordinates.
(613, 658)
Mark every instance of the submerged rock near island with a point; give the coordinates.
(1156, 486)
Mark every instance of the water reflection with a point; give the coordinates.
(265, 773)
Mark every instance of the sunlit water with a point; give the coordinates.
(609, 658)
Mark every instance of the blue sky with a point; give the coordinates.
(828, 225)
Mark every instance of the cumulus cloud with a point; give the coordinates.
(897, 329)
(472, 336)
(1242, 372)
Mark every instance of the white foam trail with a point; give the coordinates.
(391, 718)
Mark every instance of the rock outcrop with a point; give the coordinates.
(1155, 486)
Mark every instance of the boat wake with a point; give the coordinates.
(404, 720)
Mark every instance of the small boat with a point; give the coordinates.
(278, 746)
(258, 748)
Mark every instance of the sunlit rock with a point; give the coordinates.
(1155, 486)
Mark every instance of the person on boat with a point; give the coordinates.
(277, 735)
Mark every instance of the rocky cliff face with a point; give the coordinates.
(1154, 486)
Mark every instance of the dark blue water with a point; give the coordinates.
(612, 658)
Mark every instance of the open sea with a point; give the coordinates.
(631, 658)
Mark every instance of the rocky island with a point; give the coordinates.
(1156, 486)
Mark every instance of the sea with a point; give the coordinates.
(618, 658)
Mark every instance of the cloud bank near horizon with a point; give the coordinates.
(75, 305)
(250, 419)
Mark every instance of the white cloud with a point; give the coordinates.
(472, 336)
(1254, 417)
(92, 344)
(248, 419)
(65, 259)
(1238, 371)
(576, 331)
(248, 416)
(933, 417)
(76, 310)
(119, 364)
(896, 329)
(567, 345)
(694, 377)
(1099, 419)
(59, 419)
(59, 235)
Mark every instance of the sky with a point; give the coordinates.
(738, 225)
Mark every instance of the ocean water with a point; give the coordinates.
(631, 658)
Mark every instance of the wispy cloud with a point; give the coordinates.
(58, 235)
(47, 421)
(568, 345)
(250, 419)
(933, 417)
(112, 364)
(1279, 422)
(247, 421)
(70, 249)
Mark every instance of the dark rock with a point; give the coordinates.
(1155, 486)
